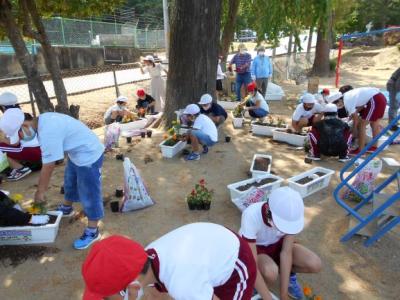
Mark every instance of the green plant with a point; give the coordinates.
(172, 137)
(200, 196)
(281, 123)
(238, 111)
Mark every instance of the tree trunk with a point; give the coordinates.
(229, 28)
(51, 62)
(309, 44)
(321, 62)
(24, 58)
(195, 29)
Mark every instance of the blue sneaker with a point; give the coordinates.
(205, 149)
(67, 210)
(193, 156)
(87, 239)
(295, 291)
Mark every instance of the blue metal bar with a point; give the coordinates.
(382, 231)
(361, 34)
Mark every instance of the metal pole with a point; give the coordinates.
(166, 27)
(115, 82)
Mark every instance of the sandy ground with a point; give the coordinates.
(350, 271)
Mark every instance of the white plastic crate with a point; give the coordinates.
(228, 105)
(24, 235)
(290, 138)
(381, 140)
(318, 183)
(257, 173)
(138, 124)
(237, 122)
(171, 151)
(267, 188)
(262, 129)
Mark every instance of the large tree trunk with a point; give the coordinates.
(195, 29)
(51, 61)
(229, 28)
(24, 58)
(321, 62)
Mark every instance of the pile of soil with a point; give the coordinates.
(320, 174)
(305, 180)
(262, 182)
(291, 131)
(268, 124)
(16, 255)
(261, 164)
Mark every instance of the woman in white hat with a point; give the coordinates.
(307, 112)
(157, 84)
(270, 229)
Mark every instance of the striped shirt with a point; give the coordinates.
(242, 62)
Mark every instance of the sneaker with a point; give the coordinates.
(205, 149)
(87, 239)
(344, 159)
(193, 156)
(312, 157)
(18, 174)
(67, 210)
(355, 151)
(295, 290)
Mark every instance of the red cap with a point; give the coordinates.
(325, 91)
(111, 265)
(140, 93)
(251, 87)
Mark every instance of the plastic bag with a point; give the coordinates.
(254, 195)
(111, 136)
(135, 193)
(3, 161)
(364, 181)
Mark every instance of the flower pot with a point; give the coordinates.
(206, 205)
(290, 138)
(191, 205)
(129, 140)
(199, 206)
(119, 193)
(171, 151)
(257, 173)
(119, 157)
(114, 206)
(227, 139)
(149, 133)
(143, 134)
(264, 130)
(311, 181)
(237, 122)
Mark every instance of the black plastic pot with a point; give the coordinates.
(119, 157)
(149, 133)
(206, 206)
(129, 140)
(114, 206)
(192, 206)
(62, 190)
(119, 193)
(199, 206)
(143, 134)
(227, 139)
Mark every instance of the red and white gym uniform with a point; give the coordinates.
(198, 260)
(254, 229)
(372, 101)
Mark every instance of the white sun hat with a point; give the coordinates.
(333, 97)
(330, 108)
(191, 109)
(149, 58)
(287, 209)
(121, 99)
(205, 99)
(11, 122)
(308, 98)
(8, 98)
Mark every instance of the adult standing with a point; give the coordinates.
(393, 87)
(157, 84)
(242, 61)
(261, 70)
(59, 134)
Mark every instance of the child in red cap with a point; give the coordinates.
(145, 102)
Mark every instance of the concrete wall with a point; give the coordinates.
(71, 58)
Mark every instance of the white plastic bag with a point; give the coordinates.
(111, 136)
(254, 195)
(135, 193)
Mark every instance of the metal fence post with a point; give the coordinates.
(115, 82)
(147, 41)
(62, 30)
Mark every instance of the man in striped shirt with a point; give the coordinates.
(242, 61)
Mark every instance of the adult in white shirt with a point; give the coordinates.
(306, 113)
(270, 228)
(255, 104)
(367, 105)
(204, 131)
(194, 262)
(220, 77)
(59, 134)
(116, 112)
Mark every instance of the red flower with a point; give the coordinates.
(202, 182)
(193, 192)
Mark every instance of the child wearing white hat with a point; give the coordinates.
(213, 110)
(270, 229)
(116, 112)
(306, 113)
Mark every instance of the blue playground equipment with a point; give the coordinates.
(383, 216)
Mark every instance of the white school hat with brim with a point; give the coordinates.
(149, 58)
(205, 99)
(8, 98)
(287, 209)
(308, 98)
(121, 99)
(334, 97)
(191, 109)
(11, 122)
(330, 108)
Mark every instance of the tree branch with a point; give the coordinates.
(27, 25)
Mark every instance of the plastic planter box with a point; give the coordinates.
(263, 129)
(267, 188)
(171, 151)
(24, 235)
(318, 183)
(257, 173)
(138, 124)
(237, 122)
(290, 138)
(229, 105)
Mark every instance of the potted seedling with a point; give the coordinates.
(289, 136)
(173, 141)
(200, 197)
(266, 128)
(237, 116)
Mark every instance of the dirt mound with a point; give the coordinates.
(388, 57)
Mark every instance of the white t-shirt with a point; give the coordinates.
(220, 74)
(154, 71)
(300, 112)
(358, 97)
(254, 229)
(115, 107)
(195, 258)
(263, 103)
(59, 133)
(207, 126)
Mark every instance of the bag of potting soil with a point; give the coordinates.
(135, 193)
(111, 136)
(254, 195)
(364, 181)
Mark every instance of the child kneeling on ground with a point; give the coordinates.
(270, 229)
(256, 104)
(204, 131)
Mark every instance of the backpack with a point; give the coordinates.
(331, 141)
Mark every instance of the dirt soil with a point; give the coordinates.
(261, 164)
(350, 271)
